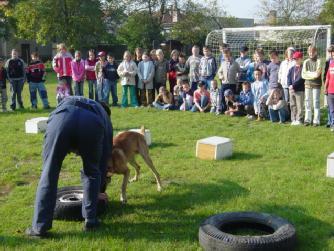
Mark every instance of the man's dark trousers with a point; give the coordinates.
(70, 128)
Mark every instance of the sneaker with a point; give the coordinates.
(297, 123)
(90, 226)
(332, 128)
(47, 107)
(32, 233)
(293, 123)
(316, 124)
(307, 123)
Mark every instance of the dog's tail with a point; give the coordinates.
(142, 130)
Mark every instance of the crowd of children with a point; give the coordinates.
(260, 89)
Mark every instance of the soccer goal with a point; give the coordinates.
(271, 37)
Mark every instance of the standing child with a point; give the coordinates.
(145, 80)
(3, 87)
(187, 97)
(164, 99)
(284, 69)
(329, 87)
(202, 100)
(181, 70)
(61, 64)
(259, 63)
(260, 92)
(296, 89)
(15, 68)
(111, 77)
(277, 106)
(99, 72)
(137, 60)
(192, 65)
(215, 97)
(207, 67)
(78, 74)
(36, 78)
(273, 70)
(127, 70)
(90, 75)
(161, 69)
(244, 62)
(172, 69)
(330, 51)
(311, 72)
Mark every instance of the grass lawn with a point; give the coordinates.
(275, 168)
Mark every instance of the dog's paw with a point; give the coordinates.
(159, 188)
(133, 179)
(123, 200)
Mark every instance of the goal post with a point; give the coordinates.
(271, 38)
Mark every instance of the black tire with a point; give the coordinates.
(69, 204)
(213, 232)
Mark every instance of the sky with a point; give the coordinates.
(241, 8)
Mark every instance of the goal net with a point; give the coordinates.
(271, 38)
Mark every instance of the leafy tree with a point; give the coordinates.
(77, 23)
(290, 12)
(140, 29)
(327, 15)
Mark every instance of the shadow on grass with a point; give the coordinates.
(244, 156)
(15, 241)
(161, 144)
(169, 216)
(312, 233)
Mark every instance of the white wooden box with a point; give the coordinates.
(36, 125)
(214, 148)
(147, 135)
(330, 165)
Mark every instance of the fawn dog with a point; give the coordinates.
(125, 146)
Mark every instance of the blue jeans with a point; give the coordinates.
(330, 101)
(207, 82)
(78, 88)
(70, 128)
(278, 115)
(92, 84)
(40, 87)
(99, 88)
(160, 106)
(16, 87)
(203, 103)
(110, 86)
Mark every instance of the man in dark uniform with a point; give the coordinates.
(82, 126)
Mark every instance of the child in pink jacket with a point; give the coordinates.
(78, 73)
(61, 64)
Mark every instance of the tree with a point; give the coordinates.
(140, 29)
(327, 15)
(199, 20)
(77, 23)
(290, 12)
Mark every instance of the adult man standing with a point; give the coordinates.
(82, 126)
(16, 75)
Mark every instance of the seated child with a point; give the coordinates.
(260, 92)
(177, 96)
(232, 108)
(62, 90)
(277, 106)
(215, 97)
(245, 100)
(164, 99)
(201, 99)
(187, 97)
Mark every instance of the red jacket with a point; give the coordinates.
(90, 69)
(62, 64)
(330, 77)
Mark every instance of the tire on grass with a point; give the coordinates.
(216, 232)
(69, 204)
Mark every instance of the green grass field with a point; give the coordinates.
(275, 168)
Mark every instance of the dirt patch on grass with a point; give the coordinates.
(4, 190)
